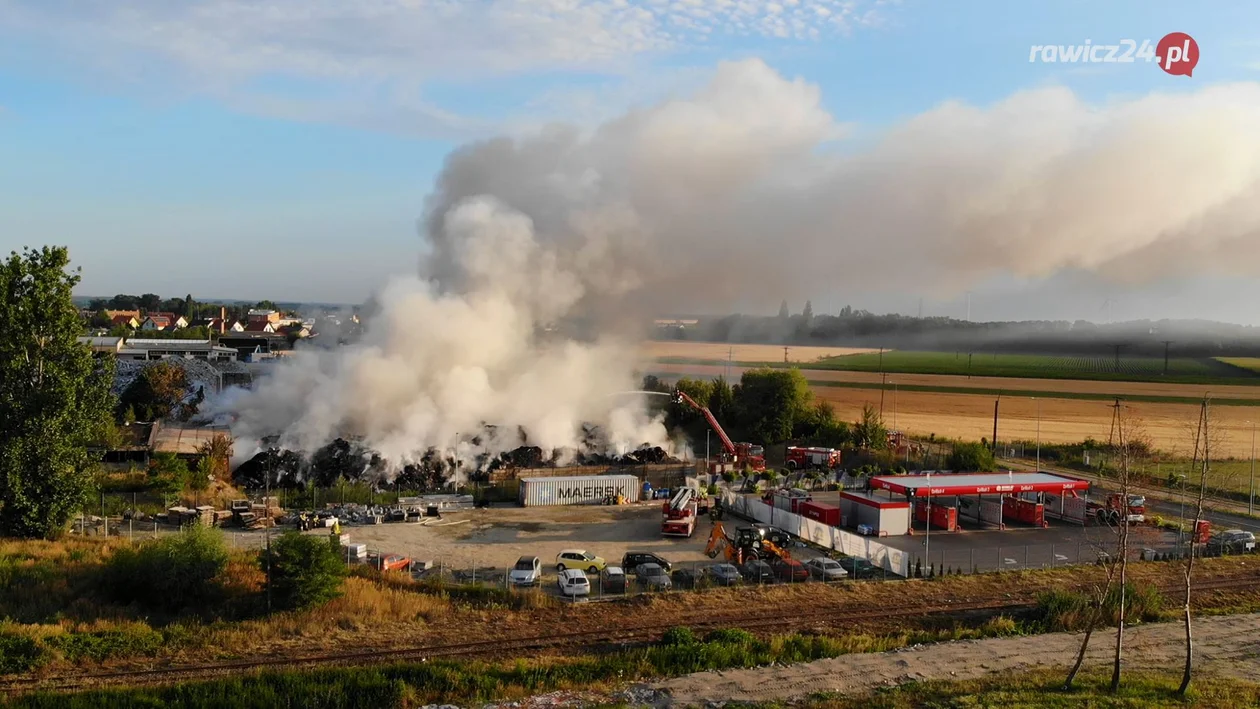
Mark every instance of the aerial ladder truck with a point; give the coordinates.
(680, 514)
(743, 457)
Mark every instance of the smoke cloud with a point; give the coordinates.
(751, 189)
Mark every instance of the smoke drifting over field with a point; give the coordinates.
(702, 201)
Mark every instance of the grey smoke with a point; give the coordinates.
(748, 190)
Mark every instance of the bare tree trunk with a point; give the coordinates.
(1201, 434)
(1123, 549)
(1100, 597)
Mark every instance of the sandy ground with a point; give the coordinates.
(498, 536)
(744, 353)
(1226, 645)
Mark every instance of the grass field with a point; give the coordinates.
(1181, 369)
(1251, 364)
(721, 351)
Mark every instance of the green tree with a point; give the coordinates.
(265, 305)
(157, 392)
(869, 431)
(101, 319)
(651, 382)
(190, 307)
(808, 313)
(820, 426)
(176, 572)
(305, 571)
(54, 396)
(770, 401)
(149, 302)
(971, 457)
(783, 310)
(722, 402)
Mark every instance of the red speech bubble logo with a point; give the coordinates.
(1177, 54)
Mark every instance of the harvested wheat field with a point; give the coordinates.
(1072, 386)
(743, 353)
(970, 416)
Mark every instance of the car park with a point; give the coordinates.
(757, 571)
(573, 583)
(633, 559)
(653, 577)
(526, 572)
(579, 559)
(724, 574)
(824, 569)
(612, 580)
(789, 570)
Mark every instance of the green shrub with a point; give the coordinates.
(305, 571)
(103, 645)
(19, 653)
(173, 573)
(679, 636)
(731, 636)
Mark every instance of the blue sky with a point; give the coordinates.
(284, 149)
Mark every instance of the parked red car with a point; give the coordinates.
(390, 562)
(790, 570)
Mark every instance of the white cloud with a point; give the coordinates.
(405, 40)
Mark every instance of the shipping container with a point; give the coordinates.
(583, 490)
(821, 512)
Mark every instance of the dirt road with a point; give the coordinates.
(1226, 645)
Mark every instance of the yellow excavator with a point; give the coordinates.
(749, 543)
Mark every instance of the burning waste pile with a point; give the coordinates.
(352, 462)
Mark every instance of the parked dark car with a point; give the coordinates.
(1232, 541)
(683, 578)
(790, 570)
(757, 571)
(774, 535)
(612, 580)
(724, 574)
(634, 559)
(859, 568)
(653, 577)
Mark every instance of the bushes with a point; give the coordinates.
(19, 653)
(177, 572)
(971, 457)
(305, 571)
(1068, 610)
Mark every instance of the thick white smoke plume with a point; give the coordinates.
(751, 183)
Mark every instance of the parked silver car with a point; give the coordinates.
(527, 572)
(653, 577)
(823, 569)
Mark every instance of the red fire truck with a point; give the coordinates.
(799, 458)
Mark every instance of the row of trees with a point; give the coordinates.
(186, 306)
(768, 406)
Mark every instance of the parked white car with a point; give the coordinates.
(527, 572)
(573, 583)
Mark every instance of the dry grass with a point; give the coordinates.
(657, 349)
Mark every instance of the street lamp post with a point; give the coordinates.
(894, 406)
(927, 527)
(269, 519)
(1181, 526)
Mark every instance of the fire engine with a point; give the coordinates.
(680, 514)
(1113, 507)
(800, 458)
(743, 457)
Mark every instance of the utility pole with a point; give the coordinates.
(883, 384)
(996, 401)
(271, 470)
(785, 355)
(1167, 343)
(1251, 497)
(1038, 433)
(1117, 348)
(894, 406)
(968, 306)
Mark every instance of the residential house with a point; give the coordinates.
(267, 316)
(130, 313)
(164, 321)
(125, 320)
(219, 325)
(260, 326)
(299, 330)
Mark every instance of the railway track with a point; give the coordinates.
(787, 618)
